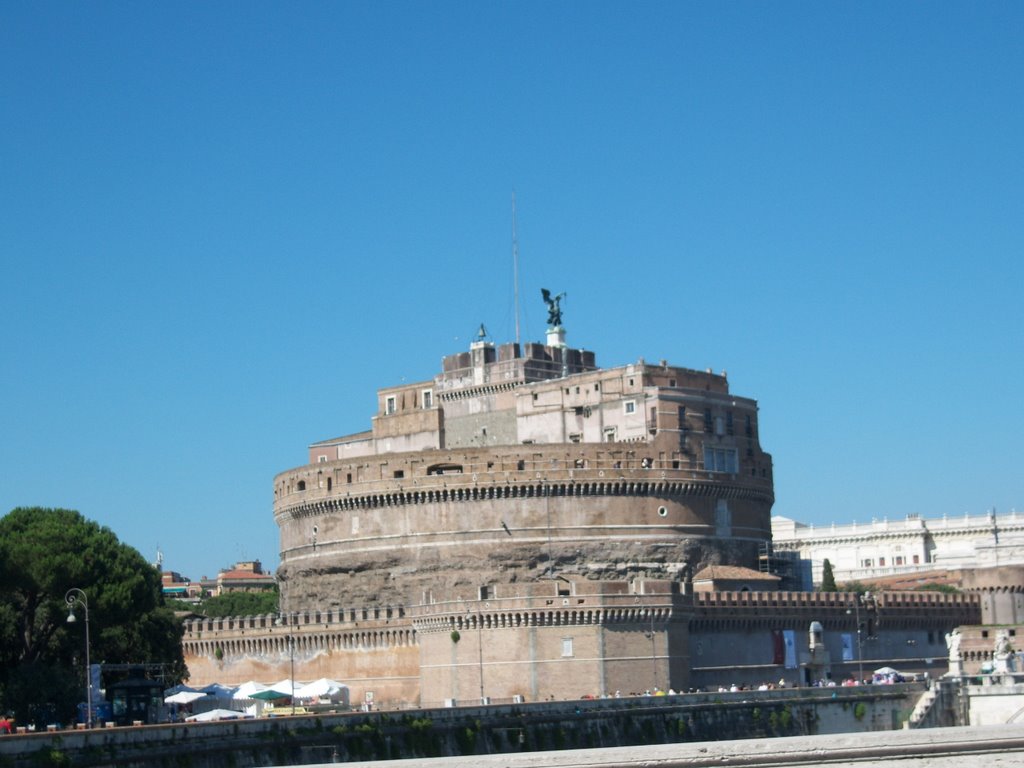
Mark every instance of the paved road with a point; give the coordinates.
(997, 746)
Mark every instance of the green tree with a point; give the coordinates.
(828, 579)
(43, 554)
(240, 604)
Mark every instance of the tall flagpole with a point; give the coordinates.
(515, 265)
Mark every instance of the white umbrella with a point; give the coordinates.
(217, 714)
(184, 697)
(886, 671)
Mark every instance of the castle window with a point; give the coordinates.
(629, 407)
(302, 485)
(609, 434)
(428, 398)
(917, 560)
(748, 425)
(444, 469)
(348, 477)
(399, 474)
(322, 459)
(728, 422)
(575, 437)
(720, 459)
(390, 405)
(709, 423)
(671, 382)
(566, 647)
(881, 562)
(597, 387)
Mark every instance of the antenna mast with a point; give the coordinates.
(515, 265)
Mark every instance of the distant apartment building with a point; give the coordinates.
(179, 587)
(244, 576)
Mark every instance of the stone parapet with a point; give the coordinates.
(524, 472)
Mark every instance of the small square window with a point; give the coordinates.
(629, 406)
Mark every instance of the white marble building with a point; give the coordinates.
(862, 551)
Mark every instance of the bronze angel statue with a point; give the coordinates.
(554, 310)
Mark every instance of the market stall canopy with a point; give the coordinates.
(323, 688)
(184, 697)
(218, 690)
(217, 714)
(268, 695)
(246, 690)
(179, 689)
(286, 686)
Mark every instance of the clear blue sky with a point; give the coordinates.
(224, 225)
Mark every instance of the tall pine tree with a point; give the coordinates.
(828, 579)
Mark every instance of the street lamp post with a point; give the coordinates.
(76, 596)
(654, 655)
(648, 612)
(291, 656)
(479, 645)
(860, 647)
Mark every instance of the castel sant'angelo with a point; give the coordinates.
(526, 524)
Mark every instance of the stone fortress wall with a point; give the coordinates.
(563, 639)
